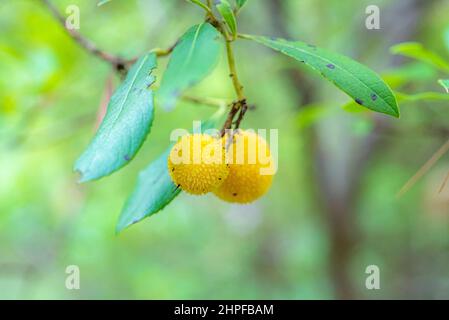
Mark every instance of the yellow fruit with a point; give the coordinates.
(197, 163)
(251, 168)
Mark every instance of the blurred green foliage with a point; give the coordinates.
(283, 246)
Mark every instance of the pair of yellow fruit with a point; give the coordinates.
(235, 168)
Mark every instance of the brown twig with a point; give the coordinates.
(236, 106)
(117, 62)
(426, 167)
(243, 109)
(230, 118)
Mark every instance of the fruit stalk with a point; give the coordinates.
(240, 104)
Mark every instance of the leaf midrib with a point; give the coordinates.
(193, 45)
(122, 103)
(129, 90)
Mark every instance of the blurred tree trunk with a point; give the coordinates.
(339, 158)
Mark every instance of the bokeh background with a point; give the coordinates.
(332, 210)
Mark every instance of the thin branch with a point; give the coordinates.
(120, 64)
(423, 170)
(212, 102)
(243, 36)
(117, 62)
(207, 7)
(164, 52)
(158, 51)
(233, 71)
(206, 101)
(443, 185)
(240, 104)
(236, 106)
(243, 110)
(230, 118)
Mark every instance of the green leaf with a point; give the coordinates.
(125, 126)
(227, 13)
(445, 84)
(193, 58)
(359, 82)
(240, 3)
(155, 189)
(153, 192)
(416, 51)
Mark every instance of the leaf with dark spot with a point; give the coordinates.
(355, 79)
(125, 126)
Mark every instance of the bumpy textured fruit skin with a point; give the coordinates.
(202, 174)
(245, 183)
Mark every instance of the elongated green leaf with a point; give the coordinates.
(359, 82)
(155, 189)
(227, 13)
(193, 58)
(445, 84)
(126, 124)
(416, 51)
(153, 192)
(240, 3)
